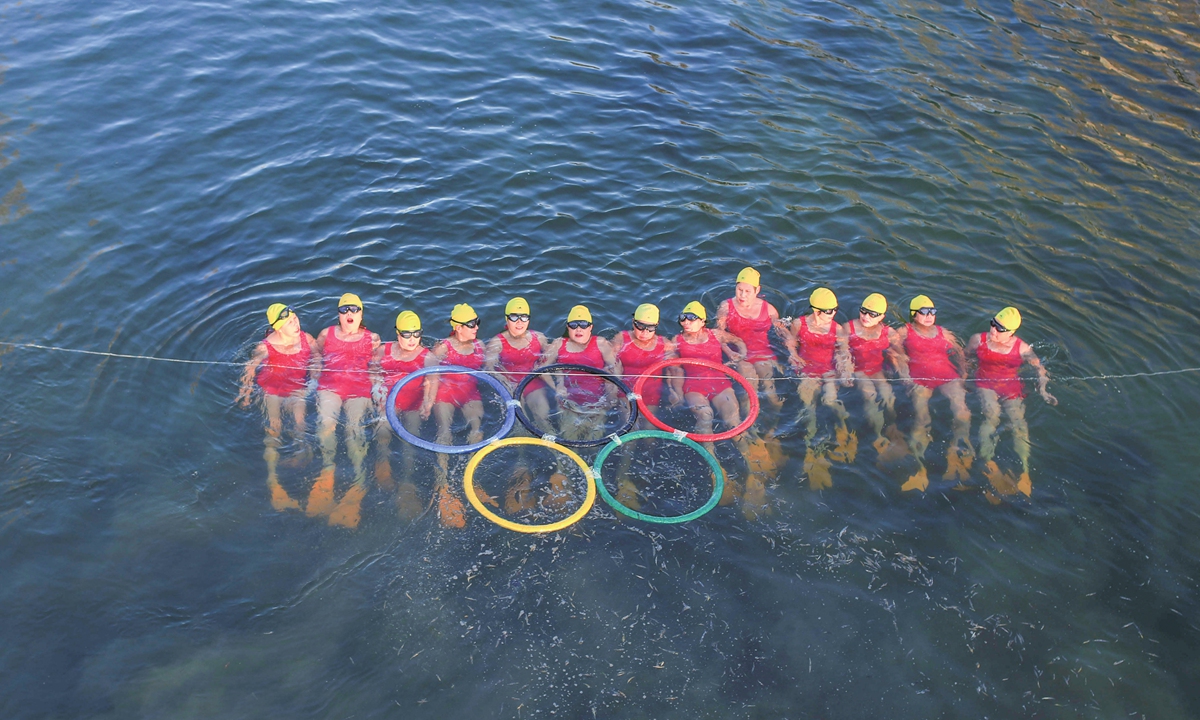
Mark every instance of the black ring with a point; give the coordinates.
(520, 391)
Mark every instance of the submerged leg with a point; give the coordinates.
(329, 409)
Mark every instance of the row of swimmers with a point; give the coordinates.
(353, 372)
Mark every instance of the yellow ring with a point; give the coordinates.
(469, 486)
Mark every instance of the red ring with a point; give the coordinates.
(654, 370)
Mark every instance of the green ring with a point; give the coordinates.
(718, 486)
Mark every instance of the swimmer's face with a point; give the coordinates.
(691, 326)
(867, 321)
(745, 292)
(996, 336)
(517, 327)
(351, 320)
(580, 335)
(643, 332)
(925, 320)
(408, 344)
(291, 325)
(464, 333)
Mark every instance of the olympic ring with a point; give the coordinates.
(718, 473)
(633, 407)
(733, 432)
(469, 487)
(398, 427)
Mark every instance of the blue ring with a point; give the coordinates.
(510, 414)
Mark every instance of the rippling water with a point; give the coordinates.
(167, 171)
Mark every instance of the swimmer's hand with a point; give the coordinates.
(796, 362)
(847, 381)
(378, 395)
(673, 397)
(1050, 399)
(426, 408)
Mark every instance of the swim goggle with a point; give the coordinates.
(830, 311)
(517, 317)
(689, 317)
(999, 328)
(927, 311)
(645, 327)
(284, 314)
(868, 313)
(406, 334)
(579, 324)
(472, 323)
(349, 309)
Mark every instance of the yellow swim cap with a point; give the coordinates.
(579, 312)
(1009, 318)
(646, 313)
(875, 303)
(408, 321)
(517, 305)
(463, 313)
(695, 307)
(822, 299)
(920, 301)
(350, 299)
(749, 276)
(273, 314)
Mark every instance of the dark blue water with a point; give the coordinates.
(168, 171)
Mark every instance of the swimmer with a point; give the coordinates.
(513, 354)
(457, 392)
(750, 318)
(931, 358)
(281, 365)
(870, 341)
(392, 362)
(638, 349)
(344, 385)
(999, 354)
(707, 390)
(819, 352)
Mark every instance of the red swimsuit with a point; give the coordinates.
(583, 389)
(410, 396)
(456, 388)
(816, 350)
(867, 354)
(928, 362)
(345, 365)
(283, 374)
(752, 331)
(998, 371)
(520, 361)
(635, 360)
(708, 383)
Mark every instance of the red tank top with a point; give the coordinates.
(583, 388)
(752, 331)
(999, 371)
(817, 350)
(455, 382)
(345, 365)
(867, 354)
(283, 374)
(928, 362)
(701, 380)
(518, 360)
(635, 360)
(411, 395)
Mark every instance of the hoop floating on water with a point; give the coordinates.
(469, 487)
(657, 367)
(531, 427)
(398, 427)
(718, 473)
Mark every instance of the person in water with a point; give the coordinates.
(457, 392)
(344, 386)
(999, 355)
(392, 362)
(638, 348)
(707, 390)
(281, 365)
(870, 341)
(750, 317)
(819, 351)
(931, 359)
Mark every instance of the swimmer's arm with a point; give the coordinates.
(555, 381)
(791, 338)
(431, 386)
(841, 355)
(674, 373)
(247, 384)
(491, 356)
(897, 354)
(612, 364)
(376, 370)
(772, 312)
(722, 320)
(675, 381)
(1029, 356)
(957, 356)
(972, 346)
(729, 340)
(436, 355)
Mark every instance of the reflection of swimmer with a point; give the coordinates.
(393, 361)
(345, 385)
(932, 359)
(705, 390)
(750, 317)
(280, 364)
(514, 353)
(638, 349)
(820, 353)
(457, 392)
(870, 341)
(999, 354)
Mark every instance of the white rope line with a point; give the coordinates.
(230, 363)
